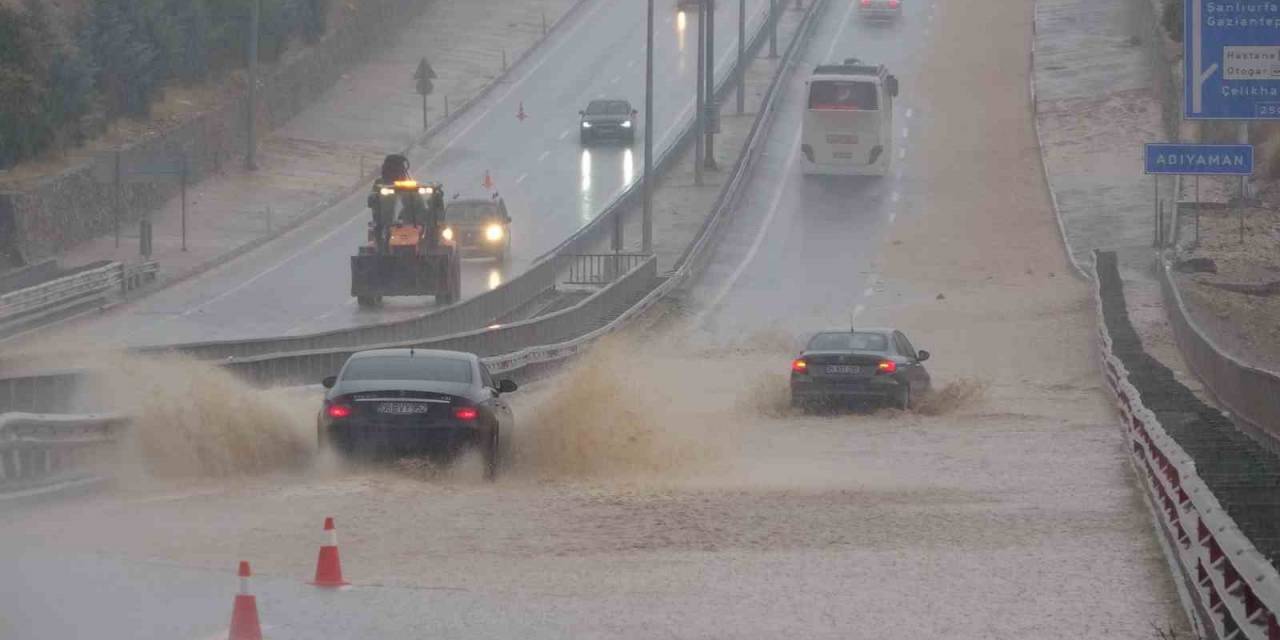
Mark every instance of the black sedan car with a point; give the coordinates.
(391, 402)
(859, 365)
(607, 120)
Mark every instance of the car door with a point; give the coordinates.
(918, 376)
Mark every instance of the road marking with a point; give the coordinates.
(867, 293)
(904, 132)
(902, 153)
(632, 64)
(565, 134)
(926, 32)
(521, 178)
(894, 196)
(908, 112)
(544, 155)
(857, 311)
(615, 80)
(893, 215)
(844, 22)
(759, 239)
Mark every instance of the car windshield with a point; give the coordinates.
(408, 368)
(471, 211)
(608, 108)
(850, 96)
(854, 341)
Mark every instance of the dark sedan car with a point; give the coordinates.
(607, 119)
(415, 402)
(858, 365)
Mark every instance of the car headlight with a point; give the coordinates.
(387, 191)
(493, 232)
(586, 125)
(447, 234)
(426, 191)
(626, 124)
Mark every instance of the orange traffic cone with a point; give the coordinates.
(488, 181)
(328, 565)
(244, 615)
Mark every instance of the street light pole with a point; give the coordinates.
(700, 118)
(709, 160)
(773, 28)
(250, 161)
(742, 46)
(647, 182)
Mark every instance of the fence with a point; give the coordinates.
(36, 447)
(1213, 492)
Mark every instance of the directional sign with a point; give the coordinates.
(424, 75)
(1204, 159)
(1231, 59)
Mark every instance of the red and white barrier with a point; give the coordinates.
(1234, 590)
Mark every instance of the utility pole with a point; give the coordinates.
(255, 10)
(646, 245)
(742, 46)
(700, 118)
(709, 160)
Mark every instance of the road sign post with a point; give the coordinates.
(1197, 160)
(424, 75)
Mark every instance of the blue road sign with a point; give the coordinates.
(1204, 159)
(1231, 59)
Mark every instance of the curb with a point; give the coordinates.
(1076, 269)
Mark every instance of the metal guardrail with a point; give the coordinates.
(1230, 588)
(1250, 393)
(43, 392)
(35, 447)
(601, 268)
(32, 304)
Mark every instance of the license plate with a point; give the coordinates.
(842, 155)
(403, 408)
(838, 138)
(844, 369)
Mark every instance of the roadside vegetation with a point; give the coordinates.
(67, 72)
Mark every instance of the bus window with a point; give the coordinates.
(848, 96)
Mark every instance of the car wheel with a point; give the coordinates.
(903, 401)
(492, 456)
(584, 138)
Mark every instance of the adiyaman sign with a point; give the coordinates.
(1202, 159)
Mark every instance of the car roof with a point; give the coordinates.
(882, 330)
(408, 353)
(476, 200)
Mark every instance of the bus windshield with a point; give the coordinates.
(852, 95)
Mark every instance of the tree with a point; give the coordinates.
(129, 70)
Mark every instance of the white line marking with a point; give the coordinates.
(902, 153)
(615, 80)
(926, 32)
(632, 64)
(844, 22)
(908, 112)
(868, 292)
(565, 134)
(930, 17)
(759, 239)
(895, 196)
(521, 178)
(544, 155)
(905, 132)
(893, 215)
(857, 311)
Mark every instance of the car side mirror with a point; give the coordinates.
(893, 86)
(507, 386)
(634, 112)
(329, 382)
(923, 355)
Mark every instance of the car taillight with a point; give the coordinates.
(338, 411)
(799, 365)
(893, 4)
(866, 3)
(887, 366)
(465, 413)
